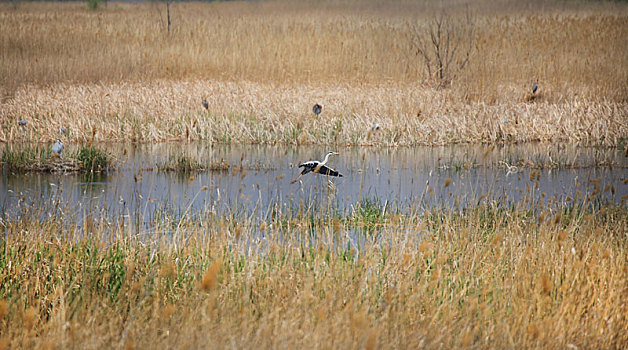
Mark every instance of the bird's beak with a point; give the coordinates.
(337, 153)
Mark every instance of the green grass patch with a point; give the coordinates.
(187, 164)
(39, 158)
(93, 159)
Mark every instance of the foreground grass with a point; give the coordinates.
(488, 277)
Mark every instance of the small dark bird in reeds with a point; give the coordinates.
(317, 109)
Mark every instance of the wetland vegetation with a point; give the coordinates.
(261, 67)
(493, 247)
(489, 276)
(185, 164)
(40, 158)
(544, 270)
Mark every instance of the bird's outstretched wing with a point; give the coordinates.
(324, 170)
(316, 167)
(308, 166)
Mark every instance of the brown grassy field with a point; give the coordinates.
(116, 74)
(490, 277)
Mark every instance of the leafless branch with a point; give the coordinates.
(444, 45)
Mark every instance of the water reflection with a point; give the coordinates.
(258, 181)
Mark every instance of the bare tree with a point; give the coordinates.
(158, 10)
(168, 13)
(445, 46)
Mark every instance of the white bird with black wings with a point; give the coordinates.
(314, 166)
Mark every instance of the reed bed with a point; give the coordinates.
(118, 74)
(575, 46)
(86, 159)
(186, 164)
(489, 276)
(256, 113)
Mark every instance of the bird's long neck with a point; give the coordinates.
(326, 159)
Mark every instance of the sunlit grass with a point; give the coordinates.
(252, 113)
(575, 46)
(490, 276)
(534, 274)
(262, 66)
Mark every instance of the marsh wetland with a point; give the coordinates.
(149, 152)
(410, 245)
(191, 178)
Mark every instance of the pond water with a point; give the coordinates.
(258, 181)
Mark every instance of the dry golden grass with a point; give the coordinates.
(248, 112)
(263, 65)
(569, 48)
(488, 278)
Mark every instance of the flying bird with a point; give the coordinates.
(57, 148)
(314, 166)
(205, 104)
(317, 109)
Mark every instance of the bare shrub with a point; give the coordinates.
(444, 44)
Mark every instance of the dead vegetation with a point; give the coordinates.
(262, 73)
(489, 277)
(253, 113)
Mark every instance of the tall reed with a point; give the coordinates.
(116, 74)
(489, 276)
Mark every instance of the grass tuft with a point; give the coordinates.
(92, 159)
(40, 159)
(210, 278)
(187, 164)
(442, 278)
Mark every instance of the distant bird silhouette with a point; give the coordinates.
(57, 148)
(535, 87)
(314, 166)
(62, 130)
(21, 123)
(317, 109)
(205, 104)
(375, 127)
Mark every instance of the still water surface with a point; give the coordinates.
(258, 180)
